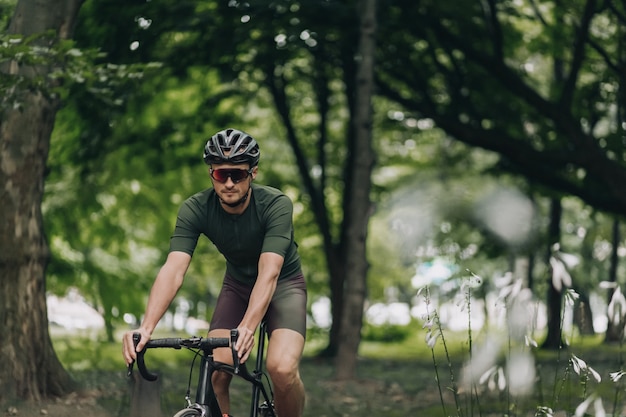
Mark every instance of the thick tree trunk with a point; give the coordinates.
(359, 204)
(30, 369)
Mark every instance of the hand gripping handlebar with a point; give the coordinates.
(205, 344)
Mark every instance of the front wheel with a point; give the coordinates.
(188, 412)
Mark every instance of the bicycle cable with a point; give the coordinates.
(188, 393)
(269, 384)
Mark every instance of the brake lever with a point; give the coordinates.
(136, 339)
(234, 334)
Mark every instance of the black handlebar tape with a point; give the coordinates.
(172, 342)
(178, 343)
(141, 364)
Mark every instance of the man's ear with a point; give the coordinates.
(254, 172)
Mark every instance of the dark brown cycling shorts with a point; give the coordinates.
(287, 310)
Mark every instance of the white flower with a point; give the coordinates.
(544, 411)
(582, 407)
(461, 300)
(429, 324)
(431, 339)
(530, 342)
(504, 281)
(474, 281)
(488, 373)
(482, 362)
(571, 296)
(419, 291)
(616, 376)
(617, 307)
(607, 285)
(578, 364)
(560, 277)
(568, 259)
(510, 290)
(595, 374)
(494, 377)
(597, 406)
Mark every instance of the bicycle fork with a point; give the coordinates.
(205, 393)
(265, 409)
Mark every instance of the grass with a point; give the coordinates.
(394, 379)
(389, 387)
(430, 372)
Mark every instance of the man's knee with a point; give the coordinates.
(283, 375)
(221, 381)
(283, 359)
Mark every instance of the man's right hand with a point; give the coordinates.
(129, 351)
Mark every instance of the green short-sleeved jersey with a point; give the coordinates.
(265, 226)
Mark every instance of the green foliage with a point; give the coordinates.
(514, 79)
(6, 10)
(389, 333)
(138, 159)
(57, 67)
(86, 354)
(126, 147)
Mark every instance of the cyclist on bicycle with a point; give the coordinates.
(251, 225)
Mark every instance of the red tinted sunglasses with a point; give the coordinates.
(235, 174)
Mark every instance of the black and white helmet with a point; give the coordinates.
(231, 146)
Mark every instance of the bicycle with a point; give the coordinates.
(206, 404)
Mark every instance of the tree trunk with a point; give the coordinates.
(554, 336)
(30, 369)
(614, 331)
(583, 316)
(333, 253)
(336, 270)
(358, 203)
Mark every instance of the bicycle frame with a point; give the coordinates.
(205, 395)
(255, 378)
(258, 389)
(205, 401)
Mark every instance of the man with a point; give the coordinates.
(251, 225)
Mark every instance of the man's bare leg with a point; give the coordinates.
(221, 380)
(283, 360)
